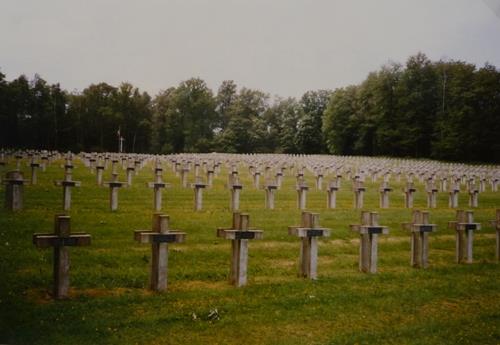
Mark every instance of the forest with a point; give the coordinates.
(445, 110)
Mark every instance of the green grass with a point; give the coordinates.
(110, 303)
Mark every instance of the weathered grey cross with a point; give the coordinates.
(239, 234)
(61, 239)
(309, 231)
(159, 238)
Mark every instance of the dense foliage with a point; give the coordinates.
(446, 110)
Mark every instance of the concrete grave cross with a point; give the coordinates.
(67, 184)
(431, 194)
(14, 190)
(114, 186)
(239, 234)
(302, 189)
(198, 187)
(308, 231)
(369, 229)
(331, 194)
(159, 238)
(473, 193)
(157, 187)
(496, 225)
(464, 233)
(61, 239)
(409, 192)
(359, 192)
(453, 196)
(34, 167)
(419, 230)
(270, 191)
(236, 188)
(384, 194)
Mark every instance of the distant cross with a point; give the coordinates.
(384, 194)
(309, 231)
(67, 184)
(239, 234)
(409, 190)
(157, 187)
(61, 239)
(159, 238)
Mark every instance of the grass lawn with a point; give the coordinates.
(110, 303)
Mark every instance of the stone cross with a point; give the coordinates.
(431, 194)
(496, 224)
(67, 184)
(384, 195)
(270, 191)
(464, 226)
(444, 184)
(473, 195)
(494, 184)
(419, 229)
(210, 177)
(14, 190)
(319, 181)
(61, 239)
(184, 177)
(302, 195)
(159, 237)
(239, 234)
(198, 194)
(114, 185)
(99, 171)
(236, 188)
(34, 167)
(359, 191)
(130, 173)
(308, 231)
(331, 194)
(279, 179)
(369, 229)
(409, 190)
(157, 186)
(256, 179)
(453, 196)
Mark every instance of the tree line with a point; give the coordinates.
(447, 110)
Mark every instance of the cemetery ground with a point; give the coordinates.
(110, 302)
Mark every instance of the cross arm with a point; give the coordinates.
(51, 240)
(234, 234)
(308, 232)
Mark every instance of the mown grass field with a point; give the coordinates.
(110, 303)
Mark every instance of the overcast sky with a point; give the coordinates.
(284, 47)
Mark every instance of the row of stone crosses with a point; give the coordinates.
(240, 232)
(309, 231)
(450, 179)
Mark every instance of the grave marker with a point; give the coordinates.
(159, 237)
(61, 239)
(369, 229)
(464, 226)
(419, 230)
(239, 234)
(308, 231)
(14, 190)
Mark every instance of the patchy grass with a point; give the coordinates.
(110, 304)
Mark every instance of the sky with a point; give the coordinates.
(282, 47)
